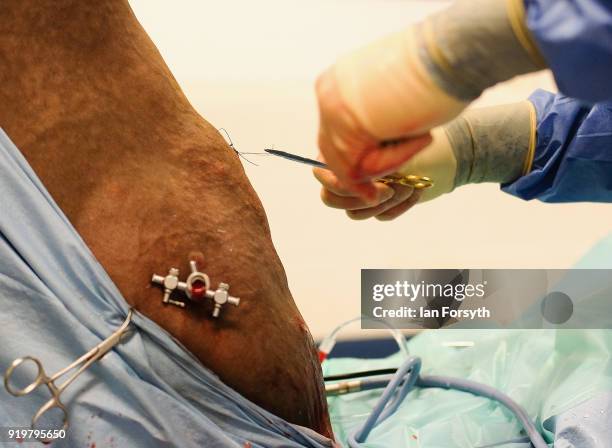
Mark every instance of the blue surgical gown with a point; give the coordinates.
(573, 154)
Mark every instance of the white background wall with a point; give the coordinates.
(250, 67)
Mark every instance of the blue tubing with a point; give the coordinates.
(407, 377)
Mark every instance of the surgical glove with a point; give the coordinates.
(387, 202)
(438, 160)
(492, 144)
(397, 89)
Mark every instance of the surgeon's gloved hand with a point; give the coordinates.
(492, 144)
(390, 200)
(397, 89)
(387, 202)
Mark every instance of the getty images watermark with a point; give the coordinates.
(487, 298)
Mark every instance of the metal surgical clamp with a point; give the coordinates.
(82, 363)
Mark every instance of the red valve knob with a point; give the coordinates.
(198, 291)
